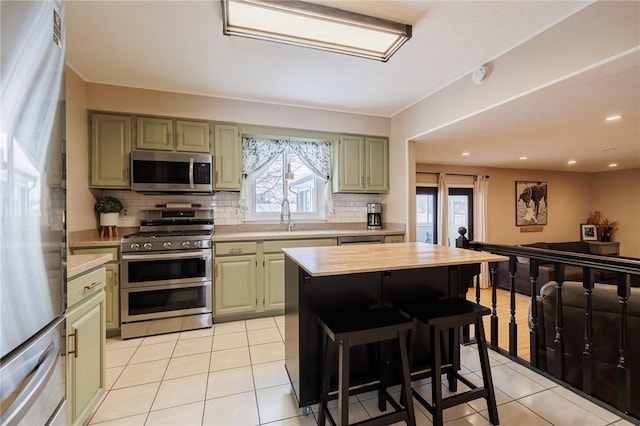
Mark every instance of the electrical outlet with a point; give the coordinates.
(236, 212)
(125, 212)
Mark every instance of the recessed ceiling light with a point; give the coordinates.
(464, 154)
(571, 162)
(523, 157)
(613, 164)
(613, 118)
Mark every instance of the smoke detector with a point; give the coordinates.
(479, 74)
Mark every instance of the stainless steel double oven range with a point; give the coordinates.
(167, 278)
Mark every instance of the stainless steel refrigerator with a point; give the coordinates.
(32, 213)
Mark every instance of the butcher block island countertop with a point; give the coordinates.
(353, 259)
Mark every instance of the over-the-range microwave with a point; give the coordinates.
(154, 171)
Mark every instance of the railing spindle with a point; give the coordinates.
(624, 376)
(534, 343)
(513, 326)
(494, 301)
(587, 352)
(558, 340)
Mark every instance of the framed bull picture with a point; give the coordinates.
(531, 203)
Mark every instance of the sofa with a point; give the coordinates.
(606, 331)
(546, 271)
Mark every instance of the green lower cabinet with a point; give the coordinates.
(394, 238)
(86, 373)
(273, 282)
(112, 293)
(249, 277)
(112, 285)
(235, 285)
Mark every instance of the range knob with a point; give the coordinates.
(186, 244)
(147, 246)
(197, 244)
(167, 245)
(135, 246)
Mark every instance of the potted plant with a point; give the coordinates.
(109, 209)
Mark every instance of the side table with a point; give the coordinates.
(604, 248)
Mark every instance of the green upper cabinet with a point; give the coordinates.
(228, 158)
(361, 164)
(350, 162)
(158, 134)
(377, 165)
(110, 149)
(192, 136)
(154, 133)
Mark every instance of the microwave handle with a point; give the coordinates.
(191, 172)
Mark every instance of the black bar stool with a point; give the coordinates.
(348, 329)
(448, 315)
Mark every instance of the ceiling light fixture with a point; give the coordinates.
(613, 164)
(571, 162)
(464, 154)
(316, 26)
(523, 158)
(613, 118)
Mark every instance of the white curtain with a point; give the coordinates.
(480, 192)
(317, 157)
(259, 154)
(443, 211)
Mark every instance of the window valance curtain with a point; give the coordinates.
(258, 154)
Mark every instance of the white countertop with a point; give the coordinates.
(79, 263)
(224, 233)
(301, 234)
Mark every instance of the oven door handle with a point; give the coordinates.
(173, 255)
(191, 173)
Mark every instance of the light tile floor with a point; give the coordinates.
(233, 374)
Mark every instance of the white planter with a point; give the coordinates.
(109, 219)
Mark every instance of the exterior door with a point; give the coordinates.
(460, 213)
(427, 214)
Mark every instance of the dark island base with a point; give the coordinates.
(306, 297)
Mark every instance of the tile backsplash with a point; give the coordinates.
(348, 207)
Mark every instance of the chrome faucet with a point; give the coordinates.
(286, 210)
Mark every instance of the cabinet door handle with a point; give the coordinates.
(92, 285)
(75, 343)
(235, 250)
(115, 279)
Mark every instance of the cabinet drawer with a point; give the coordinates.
(236, 248)
(85, 285)
(277, 246)
(113, 250)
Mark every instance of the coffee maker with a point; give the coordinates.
(374, 216)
